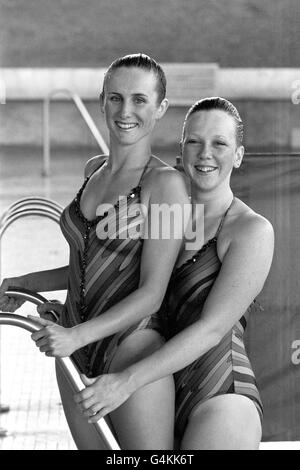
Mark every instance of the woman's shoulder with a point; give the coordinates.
(160, 171)
(164, 182)
(246, 222)
(245, 228)
(93, 163)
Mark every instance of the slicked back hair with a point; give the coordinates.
(216, 102)
(143, 62)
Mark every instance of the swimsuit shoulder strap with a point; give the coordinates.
(87, 178)
(222, 220)
(96, 169)
(143, 173)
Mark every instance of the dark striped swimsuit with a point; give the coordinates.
(223, 369)
(102, 272)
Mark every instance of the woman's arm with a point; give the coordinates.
(48, 280)
(158, 258)
(244, 270)
(41, 281)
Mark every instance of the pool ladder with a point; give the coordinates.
(43, 207)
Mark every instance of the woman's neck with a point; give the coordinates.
(128, 158)
(215, 202)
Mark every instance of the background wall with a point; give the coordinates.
(73, 33)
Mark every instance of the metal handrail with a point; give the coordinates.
(33, 200)
(29, 296)
(24, 208)
(9, 218)
(34, 203)
(46, 125)
(50, 209)
(65, 363)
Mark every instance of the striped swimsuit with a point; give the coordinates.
(223, 369)
(103, 271)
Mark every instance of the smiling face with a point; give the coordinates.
(209, 149)
(130, 104)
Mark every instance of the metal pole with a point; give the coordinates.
(3, 408)
(101, 427)
(46, 125)
(46, 138)
(90, 123)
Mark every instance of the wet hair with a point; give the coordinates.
(215, 102)
(143, 62)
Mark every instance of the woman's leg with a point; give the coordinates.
(146, 419)
(223, 422)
